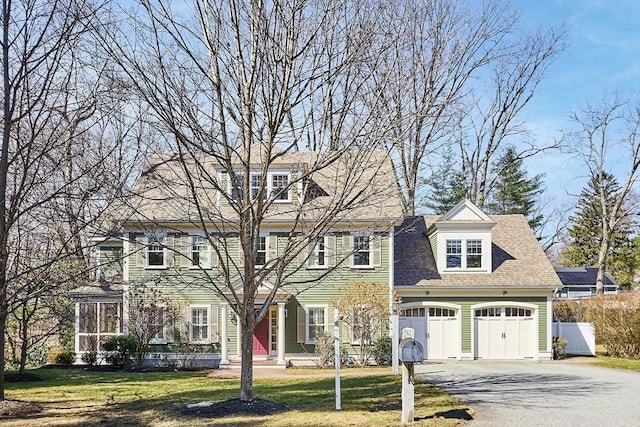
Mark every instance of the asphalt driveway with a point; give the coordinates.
(527, 393)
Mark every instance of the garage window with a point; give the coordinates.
(488, 312)
(517, 312)
(414, 312)
(441, 312)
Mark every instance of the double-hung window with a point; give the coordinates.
(316, 323)
(454, 253)
(199, 332)
(261, 251)
(361, 251)
(200, 252)
(155, 252)
(317, 253)
(279, 187)
(464, 254)
(474, 253)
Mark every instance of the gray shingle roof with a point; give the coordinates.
(518, 260)
(103, 288)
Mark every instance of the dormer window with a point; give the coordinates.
(469, 259)
(276, 186)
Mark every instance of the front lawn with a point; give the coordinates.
(615, 362)
(75, 396)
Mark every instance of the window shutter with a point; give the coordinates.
(170, 250)
(304, 250)
(169, 331)
(347, 249)
(330, 247)
(302, 325)
(185, 336)
(141, 250)
(215, 331)
(213, 255)
(272, 247)
(240, 253)
(376, 255)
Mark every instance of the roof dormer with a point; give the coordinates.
(461, 240)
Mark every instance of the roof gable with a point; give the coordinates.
(465, 211)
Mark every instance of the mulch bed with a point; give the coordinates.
(238, 407)
(18, 409)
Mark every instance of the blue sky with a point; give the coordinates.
(602, 57)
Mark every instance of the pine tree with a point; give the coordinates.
(447, 184)
(585, 234)
(513, 192)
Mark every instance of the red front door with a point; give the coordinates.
(261, 338)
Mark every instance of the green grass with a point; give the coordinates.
(74, 396)
(617, 363)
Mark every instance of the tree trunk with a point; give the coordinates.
(602, 263)
(3, 324)
(246, 373)
(24, 337)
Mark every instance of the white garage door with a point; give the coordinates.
(505, 333)
(441, 337)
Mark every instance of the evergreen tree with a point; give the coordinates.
(585, 234)
(513, 192)
(447, 186)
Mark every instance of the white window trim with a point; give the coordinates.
(162, 239)
(307, 308)
(206, 266)
(464, 254)
(207, 340)
(266, 251)
(269, 188)
(326, 255)
(353, 248)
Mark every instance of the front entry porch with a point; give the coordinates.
(268, 337)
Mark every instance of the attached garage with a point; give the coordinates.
(505, 332)
(436, 328)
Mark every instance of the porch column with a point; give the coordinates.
(224, 339)
(238, 339)
(280, 341)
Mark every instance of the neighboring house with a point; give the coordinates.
(159, 243)
(580, 282)
(474, 286)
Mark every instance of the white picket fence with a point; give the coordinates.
(581, 337)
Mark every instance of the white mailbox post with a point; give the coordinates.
(411, 352)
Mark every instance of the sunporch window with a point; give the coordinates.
(97, 322)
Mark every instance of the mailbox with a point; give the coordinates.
(411, 351)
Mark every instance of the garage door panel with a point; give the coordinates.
(505, 333)
(442, 337)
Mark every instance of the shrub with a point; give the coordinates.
(61, 356)
(90, 358)
(559, 345)
(325, 352)
(382, 351)
(120, 350)
(616, 319)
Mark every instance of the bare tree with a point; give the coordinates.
(438, 47)
(59, 146)
(240, 89)
(495, 120)
(606, 139)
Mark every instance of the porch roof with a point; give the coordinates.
(99, 288)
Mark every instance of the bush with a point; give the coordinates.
(616, 319)
(382, 351)
(567, 311)
(325, 352)
(60, 356)
(559, 345)
(90, 358)
(120, 350)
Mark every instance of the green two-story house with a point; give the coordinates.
(325, 227)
